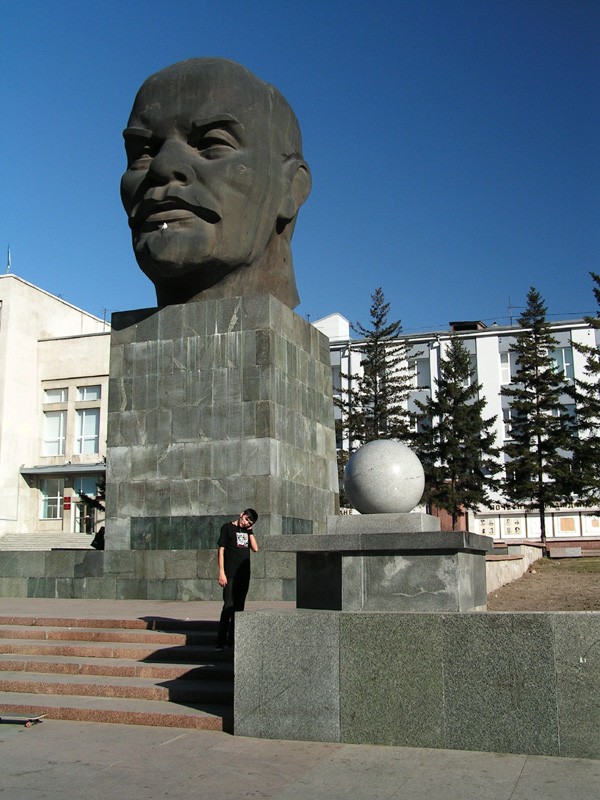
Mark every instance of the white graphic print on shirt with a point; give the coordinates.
(242, 538)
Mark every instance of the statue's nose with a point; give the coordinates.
(170, 164)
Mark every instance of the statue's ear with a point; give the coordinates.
(297, 185)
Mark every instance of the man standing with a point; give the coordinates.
(235, 542)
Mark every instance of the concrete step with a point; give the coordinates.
(147, 671)
(205, 716)
(142, 623)
(178, 690)
(45, 541)
(63, 633)
(119, 667)
(194, 654)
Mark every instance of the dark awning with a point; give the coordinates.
(66, 469)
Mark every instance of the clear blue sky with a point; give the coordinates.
(454, 145)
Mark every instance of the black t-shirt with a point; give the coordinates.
(237, 547)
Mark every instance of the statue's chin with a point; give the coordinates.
(179, 282)
(171, 253)
(167, 270)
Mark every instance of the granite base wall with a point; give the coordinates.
(138, 575)
(390, 582)
(213, 407)
(509, 683)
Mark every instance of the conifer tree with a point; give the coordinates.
(374, 406)
(586, 393)
(538, 464)
(455, 443)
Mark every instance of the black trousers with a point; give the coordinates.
(234, 599)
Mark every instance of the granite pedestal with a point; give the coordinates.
(388, 562)
(215, 406)
(503, 682)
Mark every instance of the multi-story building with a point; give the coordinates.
(494, 368)
(53, 400)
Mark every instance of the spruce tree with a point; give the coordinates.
(586, 393)
(538, 463)
(374, 405)
(455, 443)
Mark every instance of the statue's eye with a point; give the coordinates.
(140, 153)
(214, 143)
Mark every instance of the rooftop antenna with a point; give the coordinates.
(8, 261)
(510, 310)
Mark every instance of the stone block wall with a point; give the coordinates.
(510, 683)
(213, 407)
(138, 575)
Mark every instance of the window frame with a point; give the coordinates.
(52, 500)
(81, 436)
(82, 391)
(61, 439)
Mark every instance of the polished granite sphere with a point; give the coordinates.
(384, 477)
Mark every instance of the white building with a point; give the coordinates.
(494, 368)
(53, 400)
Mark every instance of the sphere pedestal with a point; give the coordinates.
(388, 562)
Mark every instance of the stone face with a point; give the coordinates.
(293, 692)
(229, 432)
(381, 523)
(388, 697)
(221, 224)
(505, 683)
(138, 574)
(576, 637)
(508, 704)
(391, 582)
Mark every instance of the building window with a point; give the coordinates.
(563, 361)
(336, 380)
(88, 393)
(421, 373)
(89, 486)
(472, 377)
(568, 412)
(54, 433)
(508, 417)
(505, 374)
(56, 395)
(52, 498)
(88, 431)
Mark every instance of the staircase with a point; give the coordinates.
(149, 671)
(46, 541)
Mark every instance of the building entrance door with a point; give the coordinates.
(84, 518)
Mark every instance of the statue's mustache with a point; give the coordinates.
(150, 206)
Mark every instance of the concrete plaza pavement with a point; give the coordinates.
(63, 760)
(59, 759)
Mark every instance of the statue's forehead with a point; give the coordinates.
(185, 97)
(203, 86)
